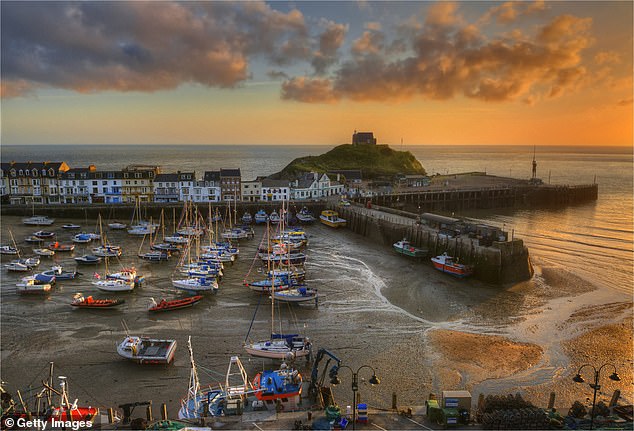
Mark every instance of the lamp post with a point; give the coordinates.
(374, 380)
(578, 379)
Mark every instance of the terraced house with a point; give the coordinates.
(32, 182)
(138, 183)
(75, 185)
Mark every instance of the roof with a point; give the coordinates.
(267, 182)
(211, 176)
(56, 166)
(72, 173)
(350, 174)
(230, 172)
(164, 178)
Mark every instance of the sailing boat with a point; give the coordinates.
(141, 227)
(123, 281)
(105, 249)
(237, 386)
(278, 346)
(196, 281)
(153, 255)
(163, 245)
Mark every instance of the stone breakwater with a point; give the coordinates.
(498, 263)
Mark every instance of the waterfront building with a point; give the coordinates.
(211, 181)
(313, 185)
(138, 183)
(75, 185)
(230, 184)
(252, 190)
(32, 182)
(363, 138)
(106, 187)
(166, 188)
(186, 181)
(413, 181)
(275, 190)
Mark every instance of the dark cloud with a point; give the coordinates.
(142, 46)
(449, 57)
(330, 40)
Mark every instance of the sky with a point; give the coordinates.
(426, 73)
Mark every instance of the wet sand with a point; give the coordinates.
(421, 330)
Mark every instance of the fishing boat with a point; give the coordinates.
(44, 252)
(60, 273)
(332, 219)
(247, 218)
(296, 294)
(145, 350)
(37, 220)
(80, 301)
(173, 304)
(88, 259)
(447, 264)
(82, 238)
(405, 248)
(44, 234)
(279, 389)
(70, 226)
(212, 401)
(274, 217)
(261, 217)
(305, 216)
(59, 247)
(31, 285)
(117, 226)
(107, 251)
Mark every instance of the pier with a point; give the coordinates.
(497, 260)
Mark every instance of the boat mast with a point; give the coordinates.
(194, 385)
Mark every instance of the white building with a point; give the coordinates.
(186, 182)
(202, 192)
(166, 188)
(106, 187)
(252, 190)
(275, 190)
(75, 186)
(313, 185)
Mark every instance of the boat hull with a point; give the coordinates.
(175, 304)
(411, 251)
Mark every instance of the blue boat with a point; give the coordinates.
(60, 274)
(261, 217)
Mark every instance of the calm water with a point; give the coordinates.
(593, 240)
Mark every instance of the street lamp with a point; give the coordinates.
(334, 380)
(578, 379)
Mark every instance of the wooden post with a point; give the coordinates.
(148, 413)
(551, 401)
(110, 415)
(394, 401)
(164, 412)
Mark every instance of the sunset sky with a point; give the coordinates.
(437, 73)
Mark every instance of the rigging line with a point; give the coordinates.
(253, 318)
(44, 368)
(85, 391)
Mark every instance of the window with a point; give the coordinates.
(138, 175)
(103, 183)
(51, 172)
(43, 172)
(13, 172)
(110, 174)
(94, 183)
(22, 172)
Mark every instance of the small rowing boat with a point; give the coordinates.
(89, 302)
(44, 252)
(44, 234)
(71, 226)
(174, 304)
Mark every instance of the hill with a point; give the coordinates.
(374, 161)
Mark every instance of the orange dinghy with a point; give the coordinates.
(90, 302)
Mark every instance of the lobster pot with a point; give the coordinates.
(460, 400)
(362, 413)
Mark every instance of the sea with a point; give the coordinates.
(593, 240)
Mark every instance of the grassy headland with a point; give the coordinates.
(375, 161)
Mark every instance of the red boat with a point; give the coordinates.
(56, 246)
(174, 304)
(448, 265)
(90, 302)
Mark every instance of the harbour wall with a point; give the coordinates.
(518, 196)
(499, 263)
